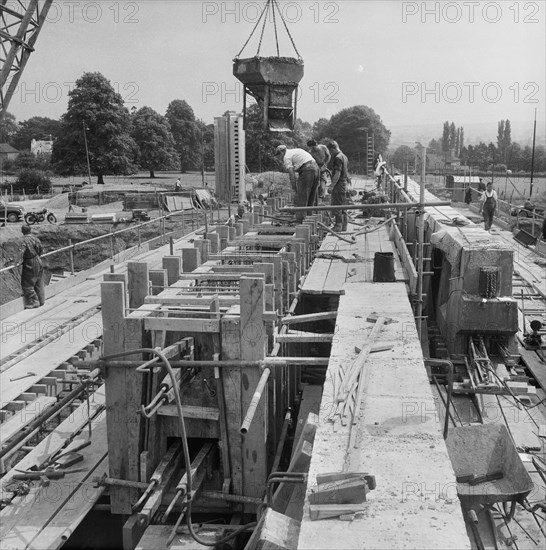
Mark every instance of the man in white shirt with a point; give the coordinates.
(488, 205)
(305, 184)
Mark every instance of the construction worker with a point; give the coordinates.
(338, 187)
(306, 183)
(32, 273)
(488, 205)
(322, 157)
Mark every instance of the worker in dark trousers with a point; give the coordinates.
(322, 157)
(338, 188)
(33, 271)
(488, 205)
(306, 183)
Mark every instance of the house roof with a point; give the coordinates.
(7, 148)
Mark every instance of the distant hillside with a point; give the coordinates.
(522, 132)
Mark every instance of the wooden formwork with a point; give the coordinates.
(228, 301)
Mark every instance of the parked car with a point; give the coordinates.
(13, 212)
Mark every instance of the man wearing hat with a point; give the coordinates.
(33, 271)
(338, 189)
(306, 183)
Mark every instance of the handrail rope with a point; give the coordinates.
(276, 34)
(267, 6)
(286, 28)
(253, 30)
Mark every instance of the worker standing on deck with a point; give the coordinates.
(338, 188)
(33, 271)
(488, 205)
(306, 183)
(322, 157)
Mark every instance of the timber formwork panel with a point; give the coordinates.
(228, 305)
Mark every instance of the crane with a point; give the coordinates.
(19, 30)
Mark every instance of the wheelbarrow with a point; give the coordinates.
(482, 453)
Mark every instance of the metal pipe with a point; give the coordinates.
(71, 253)
(450, 375)
(268, 362)
(251, 411)
(121, 483)
(282, 439)
(230, 498)
(364, 206)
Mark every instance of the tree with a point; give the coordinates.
(461, 141)
(435, 146)
(500, 138)
(152, 134)
(96, 113)
(207, 142)
(350, 128)
(402, 156)
(39, 128)
(32, 181)
(452, 137)
(186, 133)
(261, 144)
(319, 129)
(303, 132)
(445, 137)
(8, 129)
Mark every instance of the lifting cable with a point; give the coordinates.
(269, 5)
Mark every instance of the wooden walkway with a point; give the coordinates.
(338, 262)
(398, 439)
(47, 516)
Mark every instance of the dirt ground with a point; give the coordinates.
(55, 236)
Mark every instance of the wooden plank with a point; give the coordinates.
(405, 256)
(307, 337)
(175, 324)
(79, 504)
(186, 299)
(310, 404)
(158, 281)
(191, 259)
(173, 265)
(230, 341)
(325, 511)
(278, 532)
(137, 282)
(190, 411)
(287, 491)
(121, 402)
(211, 276)
(43, 361)
(253, 347)
(314, 281)
(534, 364)
(309, 318)
(335, 279)
(40, 519)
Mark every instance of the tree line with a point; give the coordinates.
(120, 142)
(503, 155)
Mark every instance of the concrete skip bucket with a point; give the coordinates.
(273, 82)
(383, 267)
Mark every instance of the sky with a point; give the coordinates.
(414, 63)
